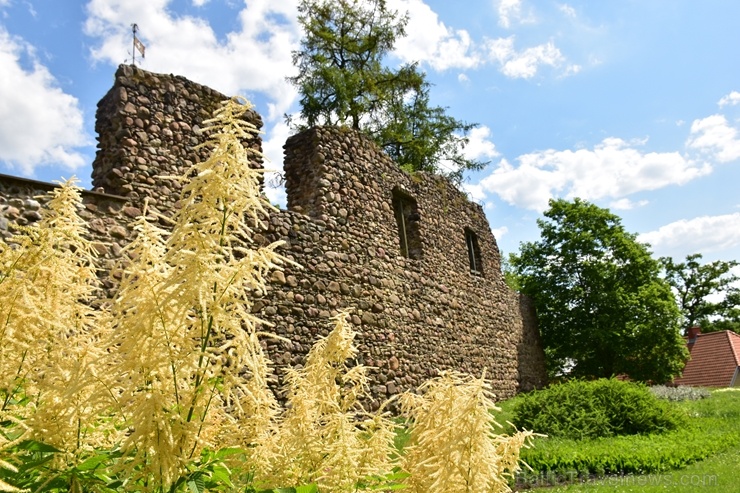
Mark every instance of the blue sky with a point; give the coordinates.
(631, 104)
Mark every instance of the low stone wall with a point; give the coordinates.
(109, 219)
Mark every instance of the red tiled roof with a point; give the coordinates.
(715, 357)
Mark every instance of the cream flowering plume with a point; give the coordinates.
(184, 334)
(324, 435)
(453, 447)
(48, 332)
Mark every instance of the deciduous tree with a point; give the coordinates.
(602, 306)
(696, 284)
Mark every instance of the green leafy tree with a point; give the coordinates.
(696, 283)
(343, 80)
(729, 314)
(420, 137)
(602, 306)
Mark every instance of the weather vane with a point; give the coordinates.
(138, 45)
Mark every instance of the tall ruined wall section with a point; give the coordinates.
(394, 248)
(149, 126)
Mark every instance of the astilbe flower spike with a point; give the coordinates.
(324, 435)
(48, 332)
(453, 446)
(185, 334)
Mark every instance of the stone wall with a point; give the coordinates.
(22, 202)
(397, 249)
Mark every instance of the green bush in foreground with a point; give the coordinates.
(599, 408)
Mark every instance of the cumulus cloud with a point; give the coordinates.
(730, 100)
(430, 41)
(612, 169)
(714, 137)
(524, 64)
(256, 57)
(30, 131)
(701, 234)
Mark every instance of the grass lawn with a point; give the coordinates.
(709, 449)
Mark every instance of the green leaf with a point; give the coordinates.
(36, 446)
(197, 485)
(307, 488)
(93, 462)
(220, 474)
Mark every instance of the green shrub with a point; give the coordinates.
(600, 408)
(677, 394)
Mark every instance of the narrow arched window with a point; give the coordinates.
(407, 218)
(474, 257)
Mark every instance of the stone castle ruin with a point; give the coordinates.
(410, 254)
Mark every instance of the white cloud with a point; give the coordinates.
(625, 204)
(476, 192)
(510, 11)
(272, 147)
(276, 196)
(702, 234)
(428, 40)
(463, 79)
(715, 137)
(200, 3)
(480, 146)
(525, 64)
(499, 232)
(255, 57)
(500, 49)
(614, 168)
(731, 99)
(568, 10)
(507, 9)
(30, 131)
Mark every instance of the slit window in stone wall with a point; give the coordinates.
(474, 257)
(407, 219)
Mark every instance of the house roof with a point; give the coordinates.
(715, 357)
